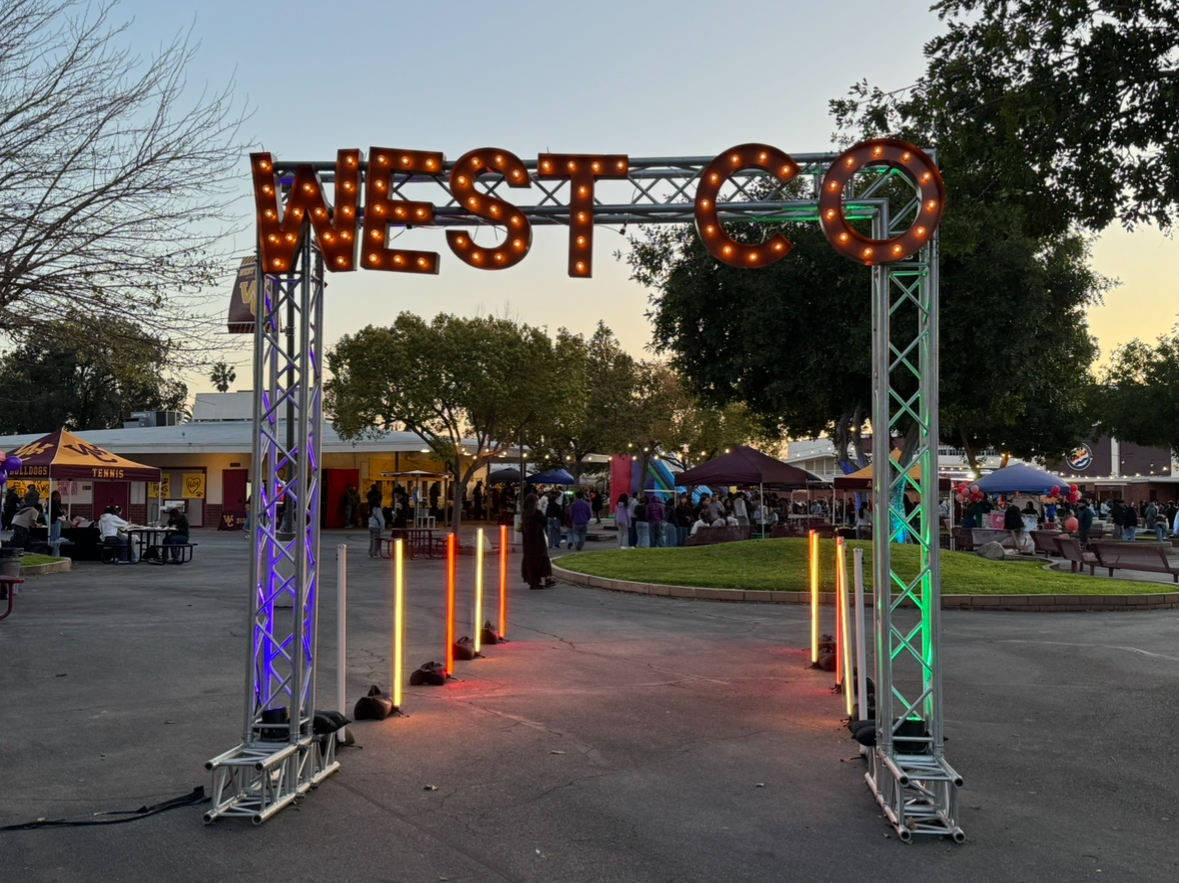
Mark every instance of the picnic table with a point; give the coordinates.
(1146, 557)
(420, 542)
(8, 586)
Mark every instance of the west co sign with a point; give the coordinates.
(347, 242)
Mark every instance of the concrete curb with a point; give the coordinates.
(62, 566)
(1020, 603)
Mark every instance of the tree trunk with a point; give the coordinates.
(841, 442)
(857, 436)
(970, 455)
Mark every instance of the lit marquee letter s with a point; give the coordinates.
(488, 160)
(335, 231)
(581, 170)
(381, 212)
(719, 244)
(910, 162)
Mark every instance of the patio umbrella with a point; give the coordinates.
(1019, 479)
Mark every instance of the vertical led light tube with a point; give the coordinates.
(861, 668)
(450, 555)
(813, 540)
(844, 625)
(477, 625)
(398, 619)
(837, 632)
(503, 580)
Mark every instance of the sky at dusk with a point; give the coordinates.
(649, 78)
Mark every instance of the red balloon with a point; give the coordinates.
(1071, 525)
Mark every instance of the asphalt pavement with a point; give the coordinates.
(615, 738)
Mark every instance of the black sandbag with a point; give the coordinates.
(432, 674)
(375, 706)
(464, 649)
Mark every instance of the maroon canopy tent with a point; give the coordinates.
(745, 466)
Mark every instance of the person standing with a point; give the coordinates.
(1117, 514)
(683, 521)
(656, 521)
(642, 526)
(1084, 523)
(535, 567)
(579, 517)
(376, 525)
(477, 499)
(622, 520)
(596, 505)
(554, 514)
(739, 509)
(56, 519)
(178, 536)
(1129, 523)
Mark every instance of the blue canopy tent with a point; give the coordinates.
(552, 476)
(1019, 479)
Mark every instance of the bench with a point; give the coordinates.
(162, 554)
(1147, 557)
(1045, 541)
(1070, 549)
(8, 586)
(707, 536)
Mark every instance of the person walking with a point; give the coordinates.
(642, 526)
(579, 517)
(535, 567)
(595, 501)
(376, 526)
(622, 520)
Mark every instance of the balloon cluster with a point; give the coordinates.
(1056, 492)
(10, 464)
(968, 492)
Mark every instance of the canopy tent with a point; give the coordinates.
(745, 466)
(62, 454)
(861, 479)
(552, 476)
(1018, 479)
(503, 476)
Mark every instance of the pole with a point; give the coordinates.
(861, 668)
(342, 631)
(398, 619)
(449, 654)
(477, 625)
(503, 580)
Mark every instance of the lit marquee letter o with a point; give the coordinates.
(910, 162)
(719, 244)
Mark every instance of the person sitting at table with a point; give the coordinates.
(178, 522)
(26, 518)
(701, 521)
(109, 526)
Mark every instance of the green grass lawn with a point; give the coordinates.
(781, 565)
(29, 559)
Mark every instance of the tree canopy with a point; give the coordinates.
(463, 386)
(85, 373)
(1139, 395)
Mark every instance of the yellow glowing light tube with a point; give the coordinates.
(844, 625)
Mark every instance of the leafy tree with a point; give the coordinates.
(465, 387)
(114, 185)
(85, 373)
(1139, 395)
(223, 375)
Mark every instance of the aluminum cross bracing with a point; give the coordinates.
(280, 756)
(914, 786)
(908, 773)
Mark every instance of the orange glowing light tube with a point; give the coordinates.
(844, 623)
(813, 539)
(398, 619)
(281, 230)
(450, 558)
(581, 171)
(381, 212)
(478, 623)
(719, 244)
(503, 580)
(910, 162)
(518, 231)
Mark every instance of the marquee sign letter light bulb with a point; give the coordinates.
(281, 231)
(518, 232)
(581, 170)
(719, 244)
(381, 212)
(910, 162)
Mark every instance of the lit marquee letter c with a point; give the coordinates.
(719, 244)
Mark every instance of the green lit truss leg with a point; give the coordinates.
(908, 773)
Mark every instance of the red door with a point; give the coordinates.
(233, 496)
(335, 487)
(107, 493)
